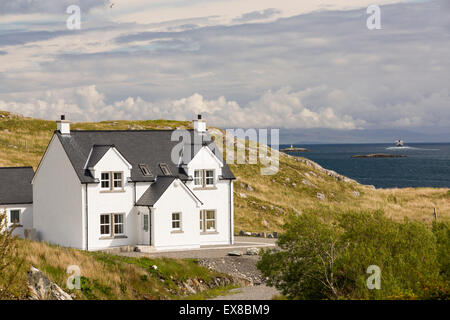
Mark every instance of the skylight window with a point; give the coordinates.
(165, 169)
(145, 170)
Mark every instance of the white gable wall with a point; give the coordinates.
(175, 199)
(213, 199)
(57, 199)
(110, 202)
(26, 216)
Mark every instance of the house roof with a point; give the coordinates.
(98, 151)
(15, 185)
(150, 147)
(156, 190)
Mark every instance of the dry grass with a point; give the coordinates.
(275, 197)
(23, 141)
(106, 276)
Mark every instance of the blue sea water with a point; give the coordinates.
(425, 164)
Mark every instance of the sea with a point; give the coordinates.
(424, 164)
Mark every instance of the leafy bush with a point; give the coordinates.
(442, 232)
(10, 263)
(328, 258)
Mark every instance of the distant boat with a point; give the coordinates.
(399, 143)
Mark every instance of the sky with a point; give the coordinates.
(294, 65)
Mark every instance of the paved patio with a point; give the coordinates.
(216, 251)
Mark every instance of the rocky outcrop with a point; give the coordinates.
(379, 155)
(319, 168)
(194, 286)
(41, 288)
(242, 269)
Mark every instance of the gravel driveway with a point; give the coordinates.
(242, 267)
(261, 292)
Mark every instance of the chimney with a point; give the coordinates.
(63, 126)
(199, 124)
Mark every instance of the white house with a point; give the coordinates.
(100, 189)
(16, 197)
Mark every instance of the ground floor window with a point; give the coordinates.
(112, 224)
(105, 224)
(146, 223)
(118, 224)
(14, 216)
(176, 221)
(208, 220)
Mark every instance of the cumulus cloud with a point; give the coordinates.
(332, 71)
(280, 109)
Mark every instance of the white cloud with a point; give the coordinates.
(282, 108)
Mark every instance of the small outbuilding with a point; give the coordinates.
(16, 197)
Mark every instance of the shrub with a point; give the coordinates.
(10, 263)
(441, 231)
(405, 253)
(320, 259)
(305, 267)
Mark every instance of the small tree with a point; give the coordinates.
(305, 266)
(10, 263)
(319, 259)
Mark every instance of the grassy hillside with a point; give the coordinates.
(262, 203)
(106, 276)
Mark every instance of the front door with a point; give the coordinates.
(145, 229)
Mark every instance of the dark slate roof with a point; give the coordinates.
(150, 147)
(97, 153)
(156, 190)
(15, 185)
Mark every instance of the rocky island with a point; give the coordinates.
(379, 155)
(294, 149)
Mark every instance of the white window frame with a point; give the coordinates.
(146, 222)
(204, 221)
(111, 224)
(165, 169)
(122, 223)
(198, 180)
(206, 177)
(10, 216)
(108, 180)
(179, 221)
(203, 178)
(107, 224)
(145, 170)
(112, 180)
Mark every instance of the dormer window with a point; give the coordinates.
(111, 180)
(105, 179)
(118, 181)
(209, 177)
(165, 169)
(204, 178)
(145, 170)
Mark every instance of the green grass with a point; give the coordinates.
(25, 139)
(107, 276)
